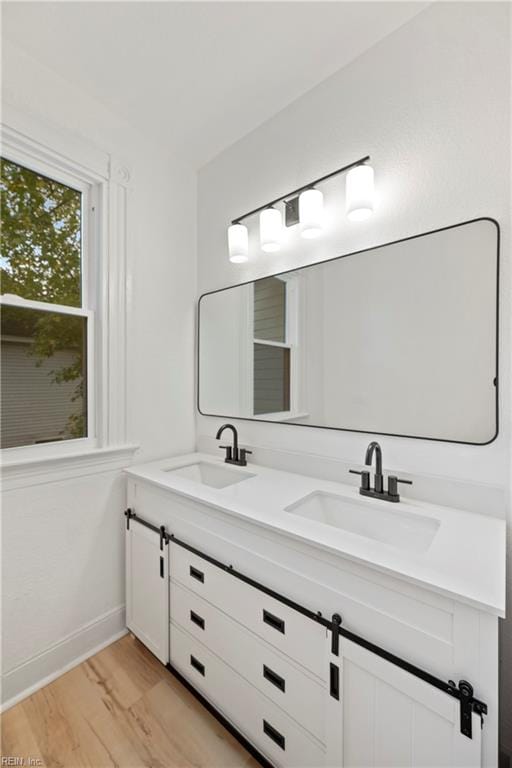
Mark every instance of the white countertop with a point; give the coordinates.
(465, 561)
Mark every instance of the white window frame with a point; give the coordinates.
(104, 183)
(88, 262)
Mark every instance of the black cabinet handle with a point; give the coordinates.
(197, 665)
(273, 621)
(274, 678)
(335, 681)
(196, 574)
(161, 568)
(196, 619)
(276, 737)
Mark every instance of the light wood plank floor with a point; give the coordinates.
(119, 708)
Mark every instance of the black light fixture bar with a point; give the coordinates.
(297, 191)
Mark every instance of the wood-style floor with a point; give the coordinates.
(119, 708)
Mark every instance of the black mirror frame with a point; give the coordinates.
(342, 256)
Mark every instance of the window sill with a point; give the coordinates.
(281, 417)
(19, 472)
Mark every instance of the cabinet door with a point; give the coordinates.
(392, 718)
(147, 589)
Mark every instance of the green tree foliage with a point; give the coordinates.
(40, 253)
(40, 259)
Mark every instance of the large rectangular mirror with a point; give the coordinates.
(399, 339)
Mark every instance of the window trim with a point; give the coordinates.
(106, 178)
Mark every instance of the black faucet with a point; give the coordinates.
(234, 454)
(378, 492)
(374, 448)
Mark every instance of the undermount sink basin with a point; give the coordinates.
(396, 527)
(210, 474)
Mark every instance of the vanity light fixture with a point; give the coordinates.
(311, 213)
(271, 226)
(360, 193)
(238, 243)
(303, 206)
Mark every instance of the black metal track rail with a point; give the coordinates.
(317, 617)
(463, 691)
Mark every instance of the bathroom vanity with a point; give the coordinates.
(326, 628)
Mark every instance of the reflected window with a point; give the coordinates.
(270, 310)
(272, 346)
(271, 379)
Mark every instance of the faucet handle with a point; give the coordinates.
(365, 478)
(229, 451)
(393, 481)
(243, 455)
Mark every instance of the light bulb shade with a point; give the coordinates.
(311, 213)
(271, 226)
(360, 192)
(238, 243)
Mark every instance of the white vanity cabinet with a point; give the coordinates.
(248, 624)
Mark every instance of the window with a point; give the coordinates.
(273, 345)
(46, 321)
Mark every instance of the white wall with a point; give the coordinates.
(63, 588)
(430, 103)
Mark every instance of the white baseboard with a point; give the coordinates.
(38, 671)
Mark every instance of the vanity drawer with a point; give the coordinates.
(298, 693)
(271, 731)
(288, 630)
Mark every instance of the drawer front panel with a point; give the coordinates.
(285, 628)
(298, 693)
(271, 731)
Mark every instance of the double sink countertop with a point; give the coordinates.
(458, 554)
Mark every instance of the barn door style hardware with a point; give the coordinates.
(162, 533)
(468, 705)
(463, 691)
(335, 632)
(164, 539)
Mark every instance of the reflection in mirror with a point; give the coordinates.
(399, 339)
